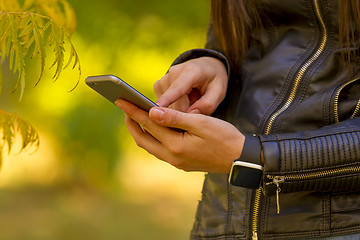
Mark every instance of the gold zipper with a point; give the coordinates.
(317, 174)
(286, 106)
(336, 101)
(256, 213)
(302, 71)
(357, 110)
(278, 180)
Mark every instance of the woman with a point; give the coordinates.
(284, 78)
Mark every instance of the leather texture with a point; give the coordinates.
(316, 134)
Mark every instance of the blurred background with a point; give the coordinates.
(88, 179)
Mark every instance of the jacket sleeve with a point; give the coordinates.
(202, 52)
(212, 49)
(326, 159)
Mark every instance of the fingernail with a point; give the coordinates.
(157, 114)
(159, 104)
(196, 111)
(118, 103)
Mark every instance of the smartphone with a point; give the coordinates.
(114, 88)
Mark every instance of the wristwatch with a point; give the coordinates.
(247, 170)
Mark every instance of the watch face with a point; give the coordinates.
(244, 176)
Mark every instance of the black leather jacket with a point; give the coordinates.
(297, 95)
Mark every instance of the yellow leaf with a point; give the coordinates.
(12, 125)
(52, 23)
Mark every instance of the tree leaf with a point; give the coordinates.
(8, 130)
(39, 46)
(28, 43)
(8, 45)
(4, 27)
(47, 25)
(24, 20)
(12, 125)
(22, 30)
(17, 56)
(74, 55)
(25, 26)
(59, 53)
(28, 134)
(11, 58)
(22, 83)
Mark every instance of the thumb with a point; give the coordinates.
(207, 103)
(175, 119)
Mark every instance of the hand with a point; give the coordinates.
(197, 86)
(205, 144)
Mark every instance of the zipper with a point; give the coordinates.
(290, 99)
(256, 213)
(302, 71)
(278, 180)
(357, 110)
(336, 101)
(318, 174)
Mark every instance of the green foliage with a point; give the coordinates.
(89, 139)
(10, 126)
(29, 28)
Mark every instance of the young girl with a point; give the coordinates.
(281, 80)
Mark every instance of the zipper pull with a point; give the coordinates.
(277, 180)
(254, 236)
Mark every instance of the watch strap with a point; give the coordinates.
(247, 171)
(252, 150)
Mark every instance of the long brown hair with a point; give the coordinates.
(349, 26)
(233, 20)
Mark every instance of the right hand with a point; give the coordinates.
(196, 86)
(195, 148)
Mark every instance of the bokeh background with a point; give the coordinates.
(88, 179)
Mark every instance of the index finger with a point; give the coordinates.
(176, 90)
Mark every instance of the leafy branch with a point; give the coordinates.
(28, 33)
(10, 126)
(28, 30)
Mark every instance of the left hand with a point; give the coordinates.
(206, 144)
(196, 86)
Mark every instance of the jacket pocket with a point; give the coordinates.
(325, 180)
(340, 179)
(346, 100)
